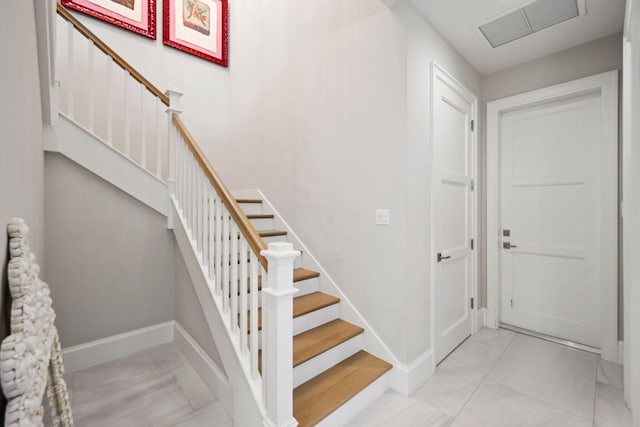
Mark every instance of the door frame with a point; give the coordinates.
(438, 72)
(607, 85)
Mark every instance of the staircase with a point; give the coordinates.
(289, 356)
(330, 366)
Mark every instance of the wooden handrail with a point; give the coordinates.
(244, 225)
(66, 15)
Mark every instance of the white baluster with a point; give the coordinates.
(91, 124)
(205, 228)
(194, 188)
(234, 277)
(201, 211)
(70, 70)
(212, 241)
(225, 259)
(127, 125)
(253, 318)
(218, 249)
(243, 294)
(158, 139)
(109, 102)
(189, 187)
(277, 332)
(143, 130)
(197, 226)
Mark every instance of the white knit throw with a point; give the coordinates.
(31, 354)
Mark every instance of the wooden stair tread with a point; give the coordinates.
(314, 400)
(316, 341)
(302, 305)
(248, 201)
(300, 274)
(261, 216)
(272, 233)
(313, 342)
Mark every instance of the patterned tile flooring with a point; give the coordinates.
(156, 387)
(496, 378)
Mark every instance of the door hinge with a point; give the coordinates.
(511, 302)
(473, 184)
(471, 244)
(472, 303)
(472, 125)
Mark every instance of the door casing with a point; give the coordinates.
(438, 72)
(607, 85)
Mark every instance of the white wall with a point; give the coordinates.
(21, 155)
(581, 61)
(110, 258)
(331, 100)
(205, 84)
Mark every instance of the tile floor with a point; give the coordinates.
(156, 387)
(495, 378)
(498, 378)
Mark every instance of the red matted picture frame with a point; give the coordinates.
(138, 16)
(198, 27)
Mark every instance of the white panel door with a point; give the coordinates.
(551, 214)
(453, 204)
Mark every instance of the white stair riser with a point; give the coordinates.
(357, 403)
(314, 367)
(304, 287)
(274, 239)
(263, 223)
(251, 208)
(315, 318)
(311, 320)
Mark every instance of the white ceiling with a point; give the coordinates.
(458, 20)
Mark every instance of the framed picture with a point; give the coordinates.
(138, 16)
(198, 27)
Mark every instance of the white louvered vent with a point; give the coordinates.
(530, 19)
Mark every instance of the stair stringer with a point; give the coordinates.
(80, 145)
(404, 378)
(248, 410)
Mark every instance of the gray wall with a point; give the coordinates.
(581, 61)
(110, 258)
(21, 155)
(189, 312)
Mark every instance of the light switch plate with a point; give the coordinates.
(382, 217)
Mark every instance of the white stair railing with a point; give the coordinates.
(106, 96)
(236, 261)
(234, 258)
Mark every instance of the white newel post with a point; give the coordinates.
(172, 138)
(277, 321)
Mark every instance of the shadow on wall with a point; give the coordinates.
(5, 316)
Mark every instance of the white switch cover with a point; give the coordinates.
(382, 217)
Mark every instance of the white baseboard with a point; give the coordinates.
(93, 353)
(481, 318)
(210, 373)
(406, 379)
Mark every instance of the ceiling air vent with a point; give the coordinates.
(530, 19)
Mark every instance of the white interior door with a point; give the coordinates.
(452, 214)
(552, 218)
